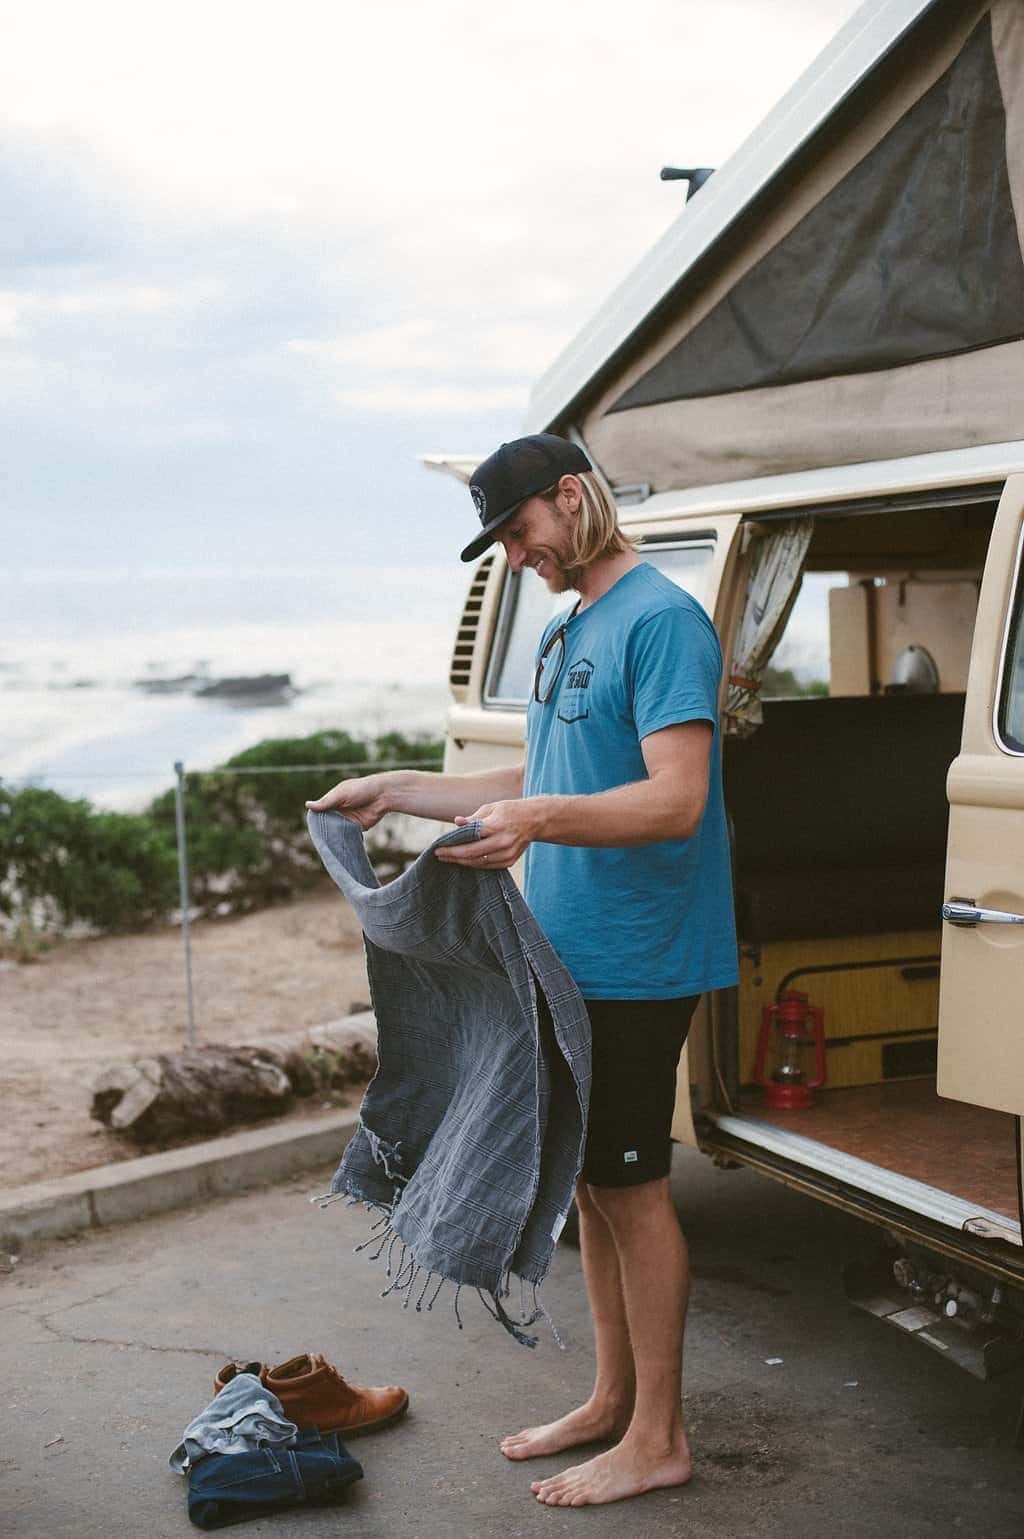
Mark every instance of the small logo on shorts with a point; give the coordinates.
(630, 1156)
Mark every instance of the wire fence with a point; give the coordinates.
(30, 782)
(182, 776)
(267, 769)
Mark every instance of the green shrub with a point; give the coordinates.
(62, 862)
(247, 840)
(783, 684)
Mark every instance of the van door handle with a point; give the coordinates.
(967, 915)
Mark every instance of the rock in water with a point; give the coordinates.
(254, 684)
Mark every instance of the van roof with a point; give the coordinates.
(843, 66)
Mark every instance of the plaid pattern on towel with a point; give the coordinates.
(471, 1135)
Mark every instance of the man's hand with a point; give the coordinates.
(506, 828)
(365, 800)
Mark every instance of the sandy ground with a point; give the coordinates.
(93, 1002)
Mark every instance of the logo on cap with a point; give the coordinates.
(479, 500)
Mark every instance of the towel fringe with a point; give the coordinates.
(401, 1280)
(410, 1285)
(384, 1222)
(384, 1238)
(552, 1327)
(404, 1277)
(426, 1285)
(395, 1237)
(513, 1329)
(494, 1314)
(437, 1290)
(325, 1199)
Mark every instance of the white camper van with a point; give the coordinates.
(809, 402)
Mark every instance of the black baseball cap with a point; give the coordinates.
(513, 474)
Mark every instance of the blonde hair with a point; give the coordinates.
(595, 529)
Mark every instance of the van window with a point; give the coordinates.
(1011, 694)
(527, 606)
(800, 664)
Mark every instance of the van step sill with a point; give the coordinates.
(942, 1207)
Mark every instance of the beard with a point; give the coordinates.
(565, 578)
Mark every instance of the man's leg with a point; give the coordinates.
(656, 1282)
(607, 1412)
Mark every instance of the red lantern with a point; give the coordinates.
(788, 1089)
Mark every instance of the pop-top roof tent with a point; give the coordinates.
(848, 287)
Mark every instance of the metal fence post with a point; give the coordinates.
(179, 819)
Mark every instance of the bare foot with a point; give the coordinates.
(586, 1424)
(626, 1470)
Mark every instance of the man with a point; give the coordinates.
(618, 808)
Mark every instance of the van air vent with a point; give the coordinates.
(465, 639)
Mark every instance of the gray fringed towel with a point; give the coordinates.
(471, 1135)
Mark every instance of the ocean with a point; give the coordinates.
(81, 653)
(367, 649)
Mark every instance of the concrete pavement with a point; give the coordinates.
(109, 1340)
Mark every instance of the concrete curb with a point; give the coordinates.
(154, 1183)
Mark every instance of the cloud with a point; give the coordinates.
(401, 108)
(425, 345)
(64, 204)
(421, 368)
(118, 300)
(408, 345)
(433, 400)
(253, 261)
(19, 308)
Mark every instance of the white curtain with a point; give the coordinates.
(776, 572)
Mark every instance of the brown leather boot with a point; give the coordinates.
(228, 1372)
(313, 1393)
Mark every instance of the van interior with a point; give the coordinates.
(838, 813)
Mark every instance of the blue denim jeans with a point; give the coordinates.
(243, 1418)
(229, 1488)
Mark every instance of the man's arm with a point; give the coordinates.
(669, 804)
(421, 794)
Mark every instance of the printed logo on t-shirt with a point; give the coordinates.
(573, 701)
(630, 1156)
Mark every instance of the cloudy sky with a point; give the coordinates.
(254, 258)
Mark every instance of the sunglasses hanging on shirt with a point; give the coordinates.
(549, 667)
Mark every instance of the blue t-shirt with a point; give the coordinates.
(651, 921)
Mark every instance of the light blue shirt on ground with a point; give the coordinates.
(651, 921)
(243, 1418)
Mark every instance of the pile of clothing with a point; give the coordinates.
(271, 1438)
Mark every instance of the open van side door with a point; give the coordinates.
(981, 998)
(723, 600)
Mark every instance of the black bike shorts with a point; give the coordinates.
(636, 1048)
